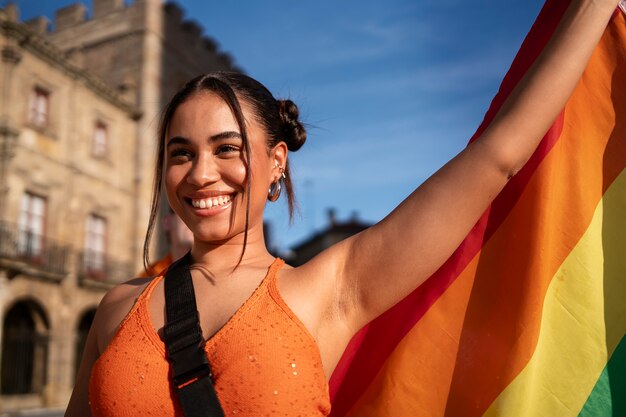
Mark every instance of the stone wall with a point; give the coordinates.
(56, 161)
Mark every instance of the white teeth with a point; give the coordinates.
(211, 202)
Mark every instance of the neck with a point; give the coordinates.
(225, 255)
(178, 251)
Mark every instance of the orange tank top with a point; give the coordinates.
(264, 361)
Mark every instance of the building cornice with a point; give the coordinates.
(39, 46)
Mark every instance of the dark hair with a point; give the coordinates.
(279, 119)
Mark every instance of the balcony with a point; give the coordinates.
(25, 252)
(95, 269)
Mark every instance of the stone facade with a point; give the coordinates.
(78, 118)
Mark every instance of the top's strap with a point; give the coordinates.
(185, 344)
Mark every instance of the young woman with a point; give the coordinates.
(275, 333)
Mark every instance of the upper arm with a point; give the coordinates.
(386, 262)
(114, 306)
(79, 401)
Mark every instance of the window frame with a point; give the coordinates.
(36, 117)
(100, 139)
(26, 228)
(95, 246)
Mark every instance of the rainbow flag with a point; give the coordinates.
(528, 317)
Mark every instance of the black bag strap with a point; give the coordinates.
(185, 344)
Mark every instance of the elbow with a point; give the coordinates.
(509, 146)
(511, 161)
(509, 170)
(503, 161)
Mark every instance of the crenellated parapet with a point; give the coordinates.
(76, 13)
(190, 33)
(29, 40)
(104, 7)
(72, 29)
(40, 25)
(70, 16)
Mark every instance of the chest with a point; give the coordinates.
(263, 358)
(217, 302)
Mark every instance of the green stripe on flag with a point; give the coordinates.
(608, 397)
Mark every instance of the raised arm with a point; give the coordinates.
(380, 266)
(79, 402)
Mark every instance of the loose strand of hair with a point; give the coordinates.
(226, 92)
(166, 116)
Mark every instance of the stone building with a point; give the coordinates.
(79, 107)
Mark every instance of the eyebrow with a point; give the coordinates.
(180, 140)
(225, 135)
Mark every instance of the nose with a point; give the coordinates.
(204, 171)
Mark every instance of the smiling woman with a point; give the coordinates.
(226, 138)
(273, 334)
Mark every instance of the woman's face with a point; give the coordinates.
(206, 169)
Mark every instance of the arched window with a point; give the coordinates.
(81, 337)
(24, 349)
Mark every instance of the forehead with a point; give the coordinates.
(205, 110)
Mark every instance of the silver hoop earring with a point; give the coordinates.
(274, 191)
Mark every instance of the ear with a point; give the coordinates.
(278, 157)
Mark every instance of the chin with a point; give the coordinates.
(217, 234)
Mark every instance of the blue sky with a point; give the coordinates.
(392, 90)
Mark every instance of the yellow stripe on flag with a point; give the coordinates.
(574, 343)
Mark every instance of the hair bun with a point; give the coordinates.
(293, 132)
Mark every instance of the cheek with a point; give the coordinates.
(172, 177)
(260, 182)
(238, 173)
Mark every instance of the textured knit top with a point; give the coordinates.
(264, 361)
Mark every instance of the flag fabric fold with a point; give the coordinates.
(528, 316)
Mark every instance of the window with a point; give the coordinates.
(39, 107)
(24, 349)
(95, 244)
(99, 140)
(31, 225)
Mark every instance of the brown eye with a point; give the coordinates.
(227, 149)
(180, 154)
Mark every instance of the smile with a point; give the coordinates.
(207, 203)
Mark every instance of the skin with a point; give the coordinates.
(342, 288)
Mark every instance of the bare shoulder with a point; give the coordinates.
(114, 307)
(121, 293)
